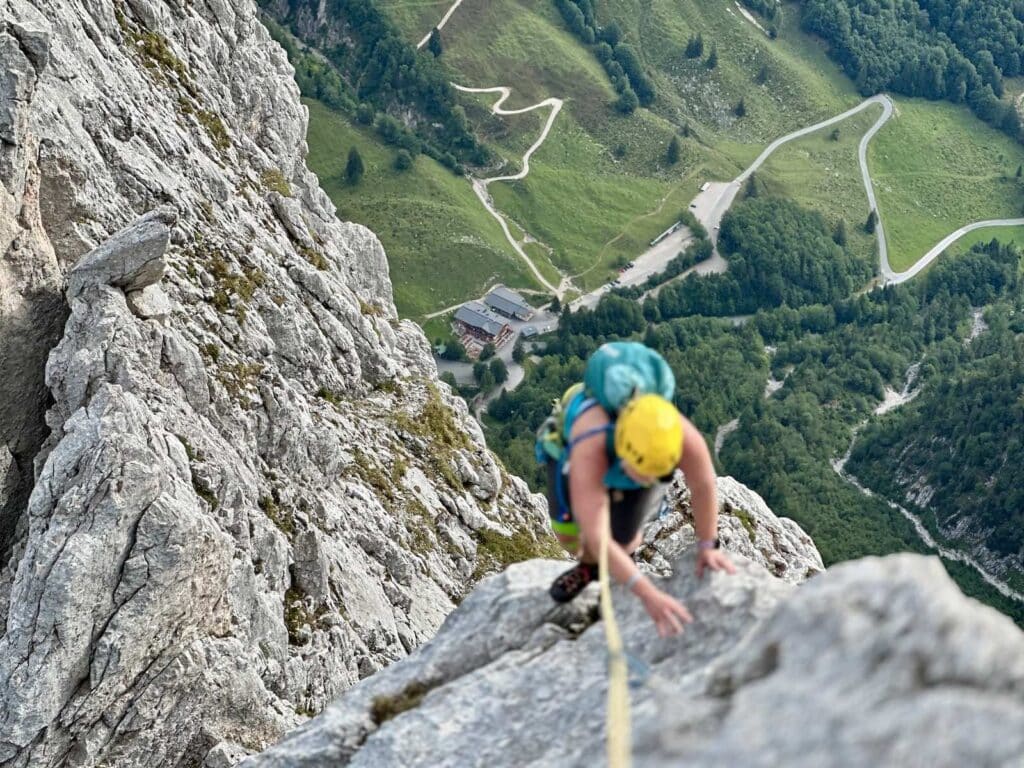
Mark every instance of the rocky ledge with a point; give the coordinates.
(878, 662)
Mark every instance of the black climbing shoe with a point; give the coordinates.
(572, 582)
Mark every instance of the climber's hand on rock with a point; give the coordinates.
(715, 560)
(668, 614)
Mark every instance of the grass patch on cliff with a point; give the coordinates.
(496, 551)
(436, 424)
(747, 521)
(388, 707)
(281, 517)
(273, 180)
(937, 167)
(298, 616)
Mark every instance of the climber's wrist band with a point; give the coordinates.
(708, 544)
(633, 580)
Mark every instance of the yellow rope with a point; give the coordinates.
(617, 725)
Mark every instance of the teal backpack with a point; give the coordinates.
(615, 373)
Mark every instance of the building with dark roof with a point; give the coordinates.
(476, 320)
(509, 303)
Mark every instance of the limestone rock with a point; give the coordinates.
(746, 525)
(132, 259)
(877, 662)
(151, 303)
(241, 498)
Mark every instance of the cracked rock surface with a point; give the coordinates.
(875, 662)
(231, 485)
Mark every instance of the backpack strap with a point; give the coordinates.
(575, 408)
(562, 468)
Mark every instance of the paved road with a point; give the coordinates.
(889, 275)
(936, 251)
(711, 205)
(719, 197)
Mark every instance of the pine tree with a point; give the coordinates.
(435, 46)
(403, 160)
(741, 108)
(673, 151)
(686, 130)
(695, 47)
(627, 102)
(712, 61)
(479, 371)
(839, 234)
(869, 225)
(519, 351)
(556, 305)
(1020, 170)
(354, 168)
(499, 370)
(834, 136)
(751, 188)
(762, 75)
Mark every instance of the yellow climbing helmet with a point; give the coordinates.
(649, 435)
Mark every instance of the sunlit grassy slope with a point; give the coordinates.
(937, 167)
(601, 188)
(442, 246)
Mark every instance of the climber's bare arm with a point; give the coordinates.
(699, 471)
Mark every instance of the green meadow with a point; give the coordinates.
(443, 246)
(936, 167)
(822, 173)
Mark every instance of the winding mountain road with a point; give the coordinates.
(480, 185)
(719, 198)
(726, 194)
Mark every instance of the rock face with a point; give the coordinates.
(745, 525)
(876, 662)
(239, 488)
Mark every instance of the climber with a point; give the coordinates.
(625, 440)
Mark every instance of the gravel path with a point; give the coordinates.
(480, 185)
(440, 24)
